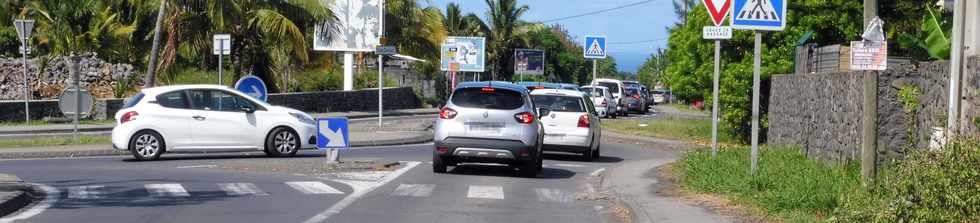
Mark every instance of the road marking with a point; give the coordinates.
(166, 190)
(486, 192)
(414, 190)
(313, 187)
(358, 193)
(241, 189)
(197, 166)
(51, 196)
(553, 195)
(597, 172)
(85, 192)
(568, 165)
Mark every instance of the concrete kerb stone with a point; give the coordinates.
(15, 194)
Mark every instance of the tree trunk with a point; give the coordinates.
(150, 78)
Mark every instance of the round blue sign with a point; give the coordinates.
(253, 86)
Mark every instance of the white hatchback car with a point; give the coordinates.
(572, 124)
(208, 118)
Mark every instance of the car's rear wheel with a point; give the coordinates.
(597, 149)
(147, 145)
(531, 168)
(438, 163)
(588, 155)
(282, 142)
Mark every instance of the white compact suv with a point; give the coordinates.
(208, 118)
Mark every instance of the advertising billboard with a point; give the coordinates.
(468, 52)
(529, 61)
(357, 29)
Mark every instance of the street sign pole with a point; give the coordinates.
(78, 97)
(756, 72)
(381, 85)
(714, 101)
(27, 88)
(595, 64)
(220, 67)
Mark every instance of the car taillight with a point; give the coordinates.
(583, 121)
(447, 113)
(129, 116)
(442, 149)
(604, 103)
(524, 117)
(636, 96)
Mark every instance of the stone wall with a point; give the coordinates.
(821, 113)
(313, 102)
(97, 76)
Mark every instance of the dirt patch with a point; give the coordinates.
(716, 203)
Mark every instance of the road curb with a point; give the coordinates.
(19, 194)
(424, 138)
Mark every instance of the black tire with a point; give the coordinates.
(147, 145)
(598, 148)
(529, 168)
(282, 142)
(438, 164)
(588, 155)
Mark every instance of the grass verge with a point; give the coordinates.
(697, 130)
(42, 122)
(53, 141)
(787, 186)
(687, 108)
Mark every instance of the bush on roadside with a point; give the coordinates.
(928, 186)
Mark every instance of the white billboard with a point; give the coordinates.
(358, 27)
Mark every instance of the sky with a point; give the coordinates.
(623, 27)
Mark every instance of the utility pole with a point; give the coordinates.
(956, 68)
(870, 11)
(869, 150)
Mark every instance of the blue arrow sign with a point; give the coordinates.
(759, 14)
(253, 86)
(594, 47)
(332, 133)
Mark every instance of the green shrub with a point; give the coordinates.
(928, 186)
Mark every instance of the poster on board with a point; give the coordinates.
(357, 29)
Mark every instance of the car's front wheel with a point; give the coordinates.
(282, 142)
(147, 145)
(438, 163)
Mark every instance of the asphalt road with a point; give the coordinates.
(201, 188)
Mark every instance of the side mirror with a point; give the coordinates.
(542, 112)
(247, 109)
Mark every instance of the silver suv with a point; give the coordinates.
(489, 122)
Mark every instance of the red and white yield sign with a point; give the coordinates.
(718, 9)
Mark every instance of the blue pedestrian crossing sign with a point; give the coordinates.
(332, 133)
(594, 47)
(253, 86)
(759, 14)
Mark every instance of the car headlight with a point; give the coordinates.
(304, 118)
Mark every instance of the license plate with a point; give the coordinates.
(484, 127)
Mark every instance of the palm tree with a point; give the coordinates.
(263, 32)
(458, 25)
(71, 28)
(414, 30)
(506, 34)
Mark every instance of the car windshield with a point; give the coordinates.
(558, 103)
(488, 98)
(132, 101)
(613, 87)
(631, 91)
(588, 91)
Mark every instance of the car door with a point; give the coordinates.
(172, 120)
(219, 121)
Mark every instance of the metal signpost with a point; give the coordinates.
(222, 46)
(75, 103)
(382, 51)
(758, 15)
(594, 48)
(332, 134)
(718, 9)
(253, 86)
(24, 29)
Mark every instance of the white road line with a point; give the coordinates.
(51, 196)
(358, 193)
(553, 195)
(166, 190)
(313, 187)
(197, 166)
(414, 190)
(597, 172)
(568, 165)
(241, 189)
(85, 192)
(486, 192)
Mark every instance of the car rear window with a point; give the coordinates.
(500, 99)
(588, 91)
(613, 87)
(557, 103)
(132, 101)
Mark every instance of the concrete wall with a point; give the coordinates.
(313, 102)
(821, 113)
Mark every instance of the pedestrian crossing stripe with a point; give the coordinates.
(758, 10)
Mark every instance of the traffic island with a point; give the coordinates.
(14, 194)
(315, 166)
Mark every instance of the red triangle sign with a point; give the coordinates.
(718, 9)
